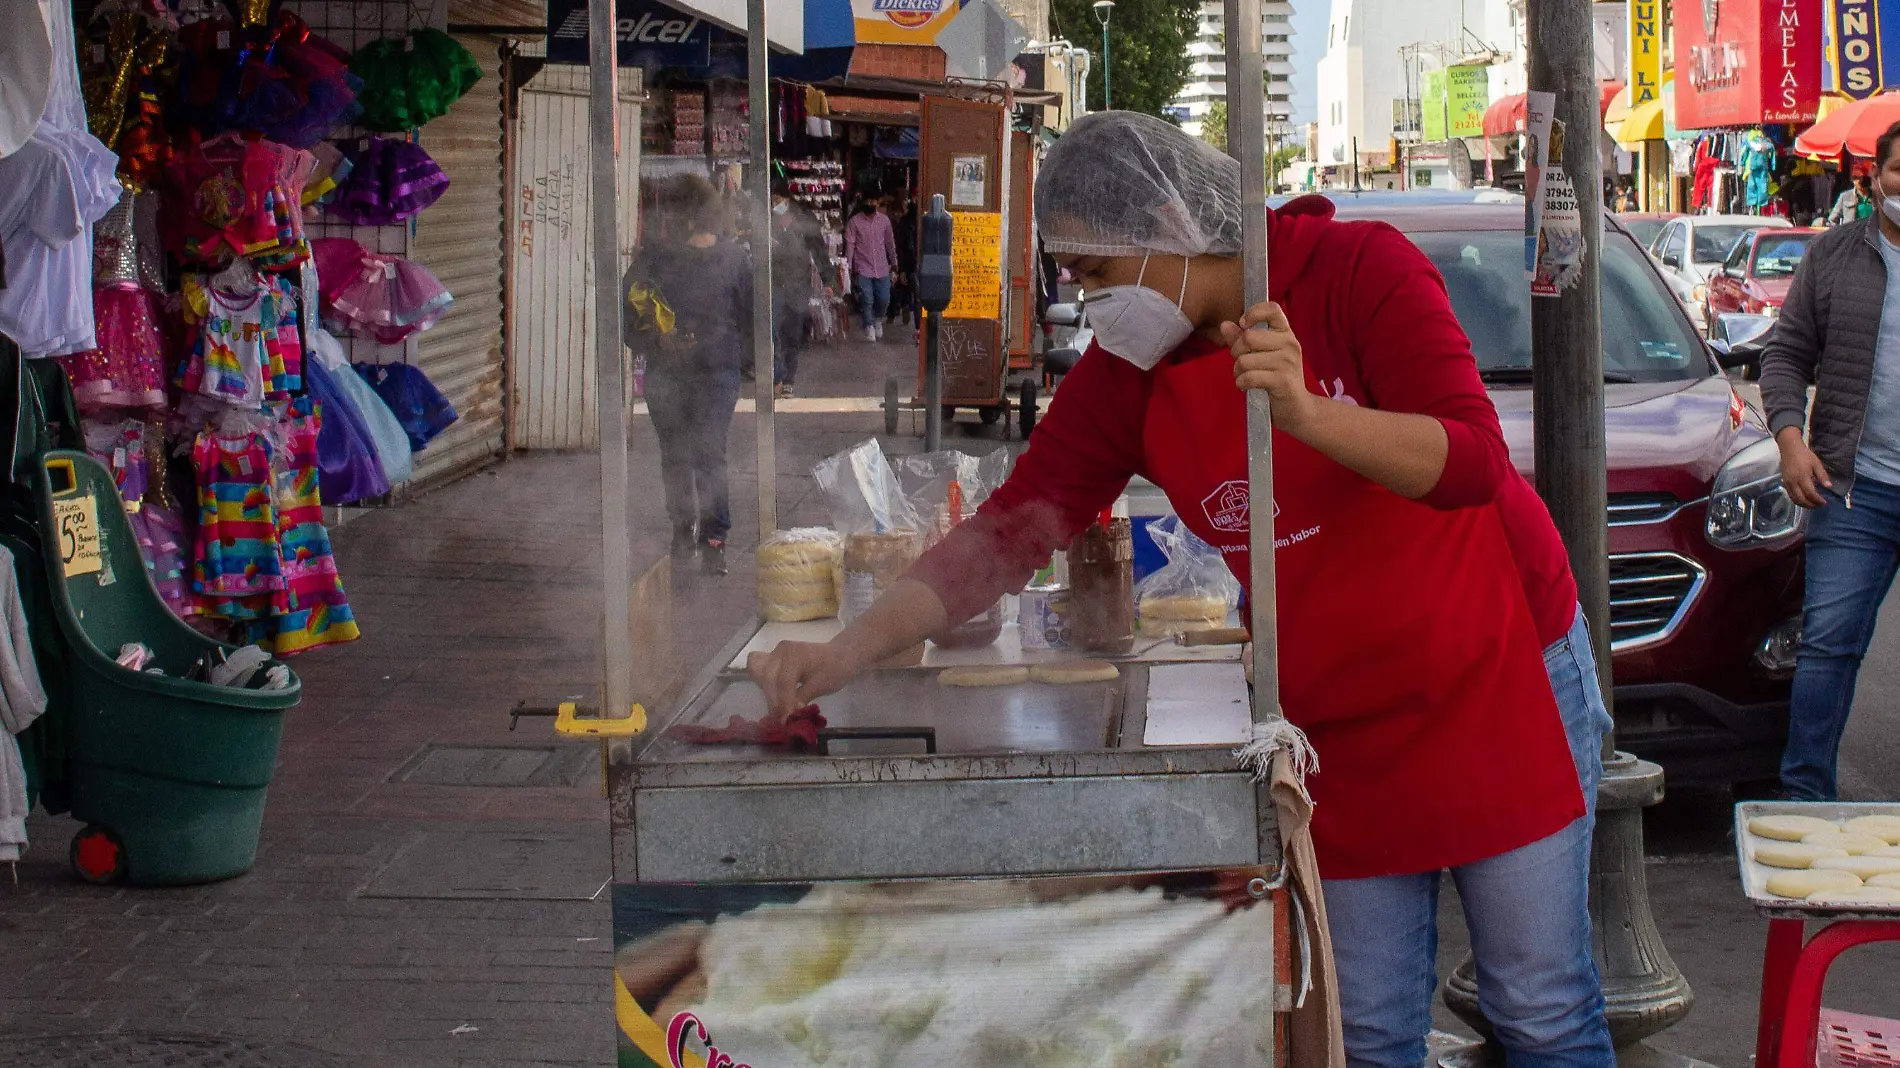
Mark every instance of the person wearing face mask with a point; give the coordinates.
(798, 249)
(1839, 332)
(1430, 643)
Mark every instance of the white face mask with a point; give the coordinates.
(1136, 323)
(781, 207)
(1889, 203)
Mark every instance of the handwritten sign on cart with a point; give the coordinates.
(976, 255)
(76, 520)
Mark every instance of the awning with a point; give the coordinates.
(1506, 117)
(1630, 126)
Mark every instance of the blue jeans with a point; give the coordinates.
(1852, 554)
(874, 299)
(1529, 916)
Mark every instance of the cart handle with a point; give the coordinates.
(827, 735)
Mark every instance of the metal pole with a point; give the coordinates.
(933, 382)
(760, 181)
(603, 127)
(1246, 141)
(1644, 990)
(1108, 103)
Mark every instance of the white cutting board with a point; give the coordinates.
(1197, 704)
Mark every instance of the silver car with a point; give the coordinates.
(1688, 250)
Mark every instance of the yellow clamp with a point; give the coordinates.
(567, 720)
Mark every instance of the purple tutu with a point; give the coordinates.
(390, 181)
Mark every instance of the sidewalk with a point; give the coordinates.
(429, 889)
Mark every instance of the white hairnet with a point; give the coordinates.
(1123, 184)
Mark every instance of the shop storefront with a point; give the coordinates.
(1747, 78)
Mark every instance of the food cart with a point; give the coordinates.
(922, 874)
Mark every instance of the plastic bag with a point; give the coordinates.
(1192, 591)
(862, 490)
(945, 488)
(801, 573)
(881, 531)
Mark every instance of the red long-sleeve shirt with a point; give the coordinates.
(1377, 329)
(1409, 653)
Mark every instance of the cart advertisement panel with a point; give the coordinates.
(1173, 969)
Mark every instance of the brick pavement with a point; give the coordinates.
(471, 598)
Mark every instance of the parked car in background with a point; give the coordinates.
(1756, 276)
(1705, 547)
(1645, 225)
(1690, 249)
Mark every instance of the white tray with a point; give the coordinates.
(1755, 876)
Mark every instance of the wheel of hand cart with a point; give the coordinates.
(1026, 415)
(990, 414)
(98, 856)
(891, 405)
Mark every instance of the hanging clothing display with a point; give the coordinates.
(389, 182)
(420, 407)
(1757, 170)
(408, 81)
(22, 699)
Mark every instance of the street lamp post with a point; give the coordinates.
(1103, 9)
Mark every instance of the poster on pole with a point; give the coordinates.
(1559, 234)
(1538, 109)
(969, 181)
(976, 257)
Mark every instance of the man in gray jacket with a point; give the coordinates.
(1840, 333)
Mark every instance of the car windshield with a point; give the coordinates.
(1645, 337)
(1778, 256)
(1712, 243)
(1643, 230)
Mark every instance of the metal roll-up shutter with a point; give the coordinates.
(460, 239)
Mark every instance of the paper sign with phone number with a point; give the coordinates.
(976, 255)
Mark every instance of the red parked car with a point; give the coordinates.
(1755, 277)
(1705, 547)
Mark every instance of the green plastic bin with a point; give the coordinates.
(168, 774)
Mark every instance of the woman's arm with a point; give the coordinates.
(1084, 451)
(1428, 430)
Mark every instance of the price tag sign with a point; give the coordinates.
(76, 523)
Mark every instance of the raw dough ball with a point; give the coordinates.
(1162, 616)
(1074, 671)
(1788, 828)
(1855, 843)
(1865, 867)
(1887, 827)
(1860, 895)
(1803, 883)
(1795, 854)
(1890, 880)
(983, 676)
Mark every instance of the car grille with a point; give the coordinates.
(1650, 593)
(1628, 509)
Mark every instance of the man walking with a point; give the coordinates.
(798, 247)
(1856, 202)
(1839, 331)
(870, 243)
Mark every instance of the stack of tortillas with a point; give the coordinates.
(1838, 864)
(1162, 616)
(800, 572)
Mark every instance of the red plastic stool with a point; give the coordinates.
(1794, 969)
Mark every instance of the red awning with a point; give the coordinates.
(1506, 117)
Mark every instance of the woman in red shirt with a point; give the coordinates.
(1409, 651)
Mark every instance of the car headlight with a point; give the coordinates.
(1699, 294)
(1747, 506)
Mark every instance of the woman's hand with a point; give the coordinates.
(795, 674)
(1267, 356)
(1802, 473)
